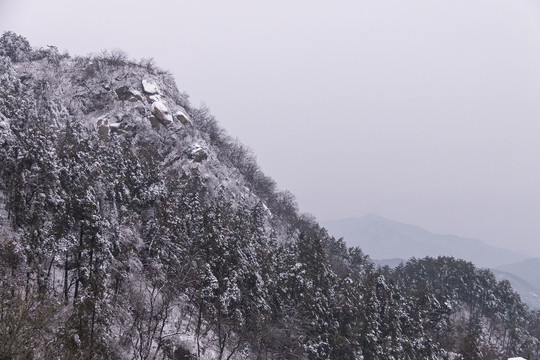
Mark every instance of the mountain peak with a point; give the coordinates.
(375, 217)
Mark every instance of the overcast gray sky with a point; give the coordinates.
(426, 112)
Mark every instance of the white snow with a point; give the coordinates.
(154, 98)
(149, 87)
(160, 106)
(161, 111)
(196, 147)
(3, 213)
(5, 131)
(136, 94)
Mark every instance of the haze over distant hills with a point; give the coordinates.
(525, 279)
(528, 270)
(529, 293)
(381, 238)
(389, 243)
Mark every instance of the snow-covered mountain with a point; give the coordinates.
(381, 238)
(133, 227)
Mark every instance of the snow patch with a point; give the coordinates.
(197, 153)
(149, 87)
(4, 221)
(161, 112)
(5, 131)
(154, 98)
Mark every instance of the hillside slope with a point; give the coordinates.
(133, 227)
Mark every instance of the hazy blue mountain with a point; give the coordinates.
(529, 293)
(391, 263)
(390, 243)
(381, 238)
(528, 270)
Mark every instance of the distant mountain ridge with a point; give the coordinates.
(528, 270)
(381, 238)
(529, 293)
(390, 243)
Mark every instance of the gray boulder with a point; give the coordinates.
(124, 93)
(183, 117)
(161, 112)
(149, 87)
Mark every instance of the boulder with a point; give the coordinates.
(154, 98)
(182, 353)
(161, 112)
(150, 87)
(154, 121)
(104, 130)
(115, 127)
(125, 93)
(183, 117)
(24, 78)
(197, 153)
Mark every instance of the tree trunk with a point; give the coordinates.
(66, 275)
(78, 264)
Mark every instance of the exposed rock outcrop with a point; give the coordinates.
(197, 153)
(149, 87)
(161, 112)
(105, 129)
(126, 94)
(182, 116)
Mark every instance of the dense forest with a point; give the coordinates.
(132, 226)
